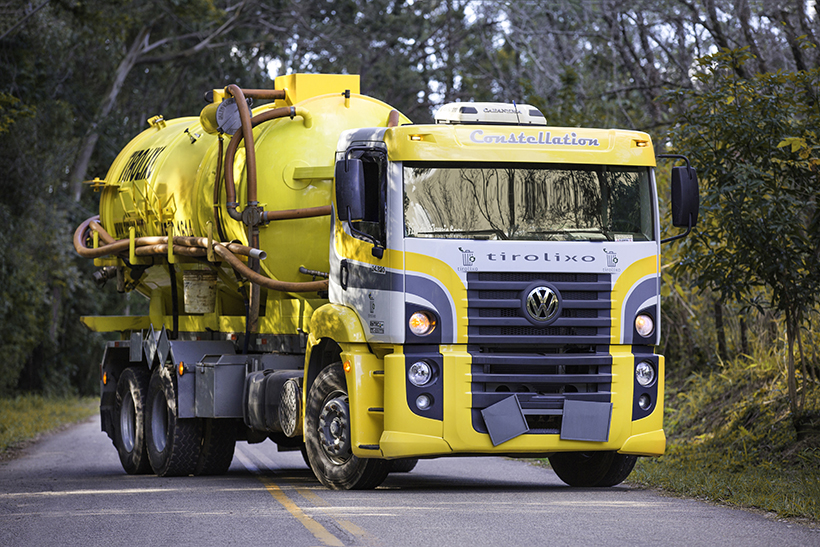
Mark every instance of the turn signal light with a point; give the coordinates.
(644, 325)
(421, 323)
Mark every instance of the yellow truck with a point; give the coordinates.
(323, 273)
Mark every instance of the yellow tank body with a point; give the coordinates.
(164, 179)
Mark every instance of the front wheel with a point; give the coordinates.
(173, 443)
(129, 420)
(403, 465)
(328, 437)
(592, 468)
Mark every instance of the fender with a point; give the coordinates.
(337, 330)
(338, 323)
(330, 326)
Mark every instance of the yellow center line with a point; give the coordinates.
(319, 532)
(353, 529)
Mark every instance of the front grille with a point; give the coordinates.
(542, 381)
(495, 308)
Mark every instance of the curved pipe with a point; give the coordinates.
(105, 237)
(188, 246)
(162, 248)
(265, 94)
(261, 280)
(324, 210)
(247, 134)
(233, 145)
(393, 118)
(114, 247)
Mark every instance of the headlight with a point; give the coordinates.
(644, 324)
(645, 373)
(644, 401)
(424, 401)
(420, 373)
(422, 323)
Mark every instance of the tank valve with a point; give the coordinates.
(104, 274)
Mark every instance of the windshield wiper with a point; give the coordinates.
(574, 233)
(480, 234)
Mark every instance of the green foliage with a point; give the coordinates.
(23, 418)
(731, 440)
(754, 143)
(755, 147)
(10, 110)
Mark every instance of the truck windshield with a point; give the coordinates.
(515, 202)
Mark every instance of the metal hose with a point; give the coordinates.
(186, 246)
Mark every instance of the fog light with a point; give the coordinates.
(422, 323)
(420, 373)
(424, 401)
(645, 373)
(644, 324)
(644, 401)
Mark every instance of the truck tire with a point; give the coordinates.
(328, 437)
(129, 420)
(599, 469)
(403, 465)
(218, 444)
(173, 444)
(619, 470)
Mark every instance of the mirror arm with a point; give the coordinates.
(677, 157)
(679, 236)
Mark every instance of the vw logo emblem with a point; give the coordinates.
(542, 304)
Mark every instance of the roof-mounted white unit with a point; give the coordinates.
(490, 114)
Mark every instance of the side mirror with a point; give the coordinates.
(350, 189)
(685, 197)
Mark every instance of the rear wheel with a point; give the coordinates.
(218, 444)
(173, 443)
(328, 439)
(129, 420)
(592, 468)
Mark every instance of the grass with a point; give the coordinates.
(731, 440)
(26, 417)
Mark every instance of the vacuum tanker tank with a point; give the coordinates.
(192, 178)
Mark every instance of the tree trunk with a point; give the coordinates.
(92, 135)
(802, 359)
(744, 336)
(715, 28)
(720, 329)
(791, 378)
(792, 38)
(744, 14)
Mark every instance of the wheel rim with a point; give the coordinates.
(128, 423)
(159, 422)
(334, 428)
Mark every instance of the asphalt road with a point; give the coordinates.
(69, 489)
